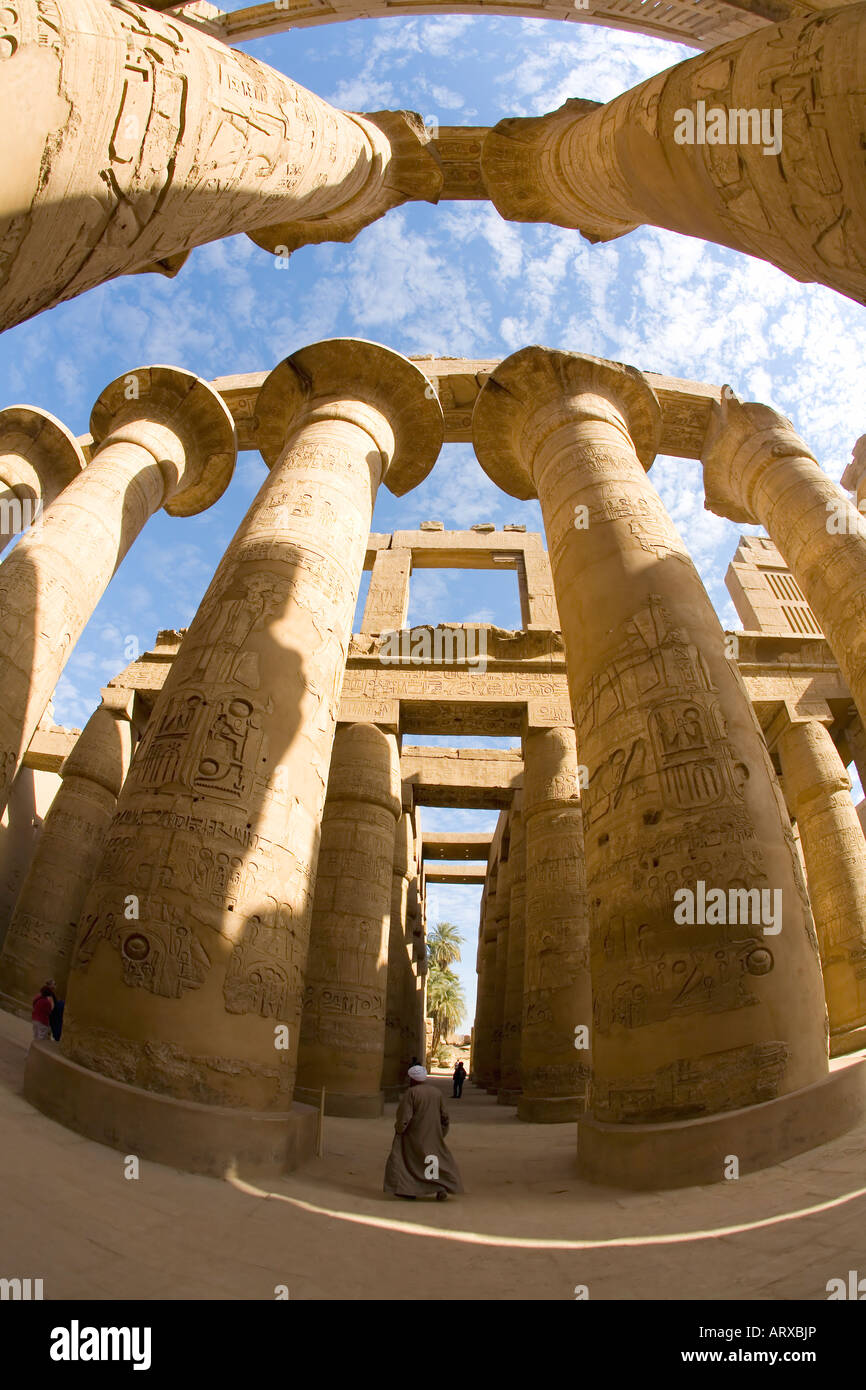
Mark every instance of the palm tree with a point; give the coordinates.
(445, 1004)
(443, 945)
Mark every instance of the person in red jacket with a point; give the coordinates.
(41, 1014)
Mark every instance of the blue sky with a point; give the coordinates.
(454, 280)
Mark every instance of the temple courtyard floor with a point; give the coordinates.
(526, 1228)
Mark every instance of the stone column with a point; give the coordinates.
(758, 470)
(163, 438)
(500, 969)
(41, 934)
(342, 1043)
(689, 1020)
(38, 457)
(510, 1083)
(131, 137)
(818, 792)
(854, 477)
(388, 596)
(401, 1027)
(486, 967)
(791, 196)
(558, 989)
(217, 827)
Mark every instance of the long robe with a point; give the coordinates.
(420, 1129)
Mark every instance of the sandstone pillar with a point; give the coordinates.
(486, 967)
(501, 924)
(401, 1027)
(342, 1044)
(388, 596)
(510, 1083)
(788, 189)
(131, 137)
(41, 934)
(689, 1020)
(38, 457)
(758, 470)
(558, 989)
(163, 438)
(217, 827)
(818, 791)
(854, 477)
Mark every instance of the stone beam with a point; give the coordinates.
(454, 873)
(471, 778)
(457, 844)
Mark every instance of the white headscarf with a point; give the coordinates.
(418, 1073)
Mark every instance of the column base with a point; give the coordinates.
(350, 1107)
(690, 1153)
(197, 1138)
(21, 1008)
(506, 1097)
(550, 1110)
(851, 1041)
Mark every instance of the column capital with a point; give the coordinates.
(360, 753)
(742, 438)
(141, 404)
(536, 390)
(43, 442)
(855, 471)
(326, 378)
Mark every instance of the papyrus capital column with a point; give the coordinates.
(162, 438)
(401, 1023)
(510, 1083)
(482, 1057)
(342, 1045)
(41, 935)
(691, 1018)
(130, 137)
(38, 457)
(818, 791)
(758, 470)
(217, 828)
(784, 182)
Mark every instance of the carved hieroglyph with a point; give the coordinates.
(818, 791)
(38, 945)
(217, 827)
(164, 438)
(689, 1019)
(608, 169)
(512, 1007)
(129, 137)
(757, 469)
(38, 457)
(345, 984)
(558, 992)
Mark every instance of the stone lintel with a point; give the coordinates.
(385, 713)
(456, 844)
(456, 873)
(49, 749)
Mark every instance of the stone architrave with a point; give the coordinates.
(784, 183)
(401, 1028)
(690, 1018)
(163, 438)
(758, 470)
(557, 1002)
(130, 137)
(501, 919)
(38, 457)
(486, 967)
(510, 1083)
(41, 935)
(342, 1046)
(388, 595)
(217, 827)
(818, 791)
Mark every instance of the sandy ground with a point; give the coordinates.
(526, 1227)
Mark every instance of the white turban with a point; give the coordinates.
(418, 1073)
